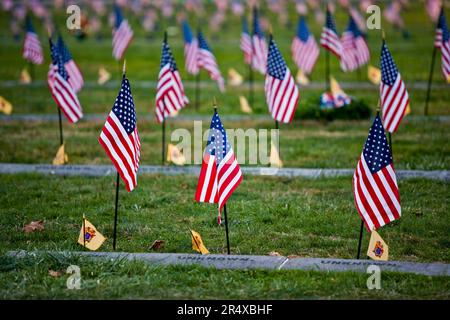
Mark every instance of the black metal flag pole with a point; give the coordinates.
(84, 231)
(430, 80)
(360, 239)
(327, 61)
(250, 70)
(163, 148)
(61, 136)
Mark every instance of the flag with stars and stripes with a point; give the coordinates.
(355, 52)
(190, 50)
(74, 73)
(375, 187)
(207, 61)
(444, 46)
(246, 42)
(282, 93)
(259, 53)
(394, 97)
(62, 92)
(32, 50)
(120, 138)
(441, 22)
(329, 38)
(122, 34)
(170, 96)
(220, 173)
(305, 51)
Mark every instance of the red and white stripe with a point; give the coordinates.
(376, 195)
(121, 39)
(362, 51)
(394, 100)
(32, 50)
(170, 96)
(259, 56)
(246, 46)
(207, 61)
(306, 54)
(438, 38)
(349, 59)
(445, 60)
(329, 40)
(190, 57)
(75, 77)
(123, 149)
(282, 97)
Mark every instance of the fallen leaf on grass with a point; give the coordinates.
(54, 274)
(34, 226)
(157, 244)
(274, 254)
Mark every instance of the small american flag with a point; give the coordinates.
(32, 50)
(394, 96)
(305, 51)
(329, 38)
(190, 50)
(170, 95)
(120, 138)
(441, 21)
(207, 61)
(246, 42)
(355, 52)
(374, 182)
(62, 92)
(259, 56)
(444, 46)
(122, 35)
(220, 174)
(281, 91)
(74, 73)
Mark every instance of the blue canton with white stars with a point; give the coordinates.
(187, 32)
(124, 107)
(302, 30)
(276, 67)
(330, 22)
(202, 42)
(353, 28)
(64, 51)
(256, 27)
(167, 57)
(218, 145)
(29, 25)
(119, 17)
(389, 70)
(58, 61)
(53, 52)
(442, 24)
(377, 152)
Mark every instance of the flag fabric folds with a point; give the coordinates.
(190, 50)
(122, 34)
(89, 236)
(120, 137)
(355, 52)
(197, 243)
(220, 173)
(170, 96)
(62, 92)
(444, 45)
(259, 53)
(246, 42)
(74, 73)
(375, 187)
(207, 61)
(282, 93)
(394, 96)
(329, 38)
(305, 51)
(440, 24)
(32, 50)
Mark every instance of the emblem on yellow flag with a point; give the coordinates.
(25, 77)
(61, 157)
(245, 107)
(103, 76)
(301, 78)
(197, 243)
(378, 249)
(89, 236)
(374, 74)
(5, 106)
(274, 159)
(175, 156)
(234, 78)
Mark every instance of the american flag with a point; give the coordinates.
(62, 92)
(220, 174)
(32, 50)
(190, 50)
(122, 35)
(441, 21)
(74, 73)
(259, 56)
(445, 46)
(207, 61)
(329, 38)
(355, 52)
(305, 51)
(120, 138)
(394, 96)
(170, 95)
(281, 91)
(246, 42)
(374, 182)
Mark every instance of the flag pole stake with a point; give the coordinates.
(115, 212)
(31, 70)
(360, 239)
(197, 90)
(163, 149)
(390, 141)
(61, 136)
(84, 231)
(195, 240)
(226, 228)
(430, 80)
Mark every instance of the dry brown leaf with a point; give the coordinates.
(54, 274)
(274, 254)
(34, 226)
(157, 244)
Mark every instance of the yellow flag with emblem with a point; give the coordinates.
(175, 156)
(374, 74)
(197, 243)
(274, 159)
(61, 157)
(5, 106)
(89, 236)
(301, 78)
(378, 249)
(25, 77)
(234, 78)
(245, 107)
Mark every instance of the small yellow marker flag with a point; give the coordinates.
(336, 88)
(408, 109)
(378, 249)
(245, 107)
(301, 78)
(25, 77)
(103, 76)
(374, 74)
(274, 159)
(5, 106)
(234, 78)
(61, 157)
(197, 243)
(175, 156)
(92, 238)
